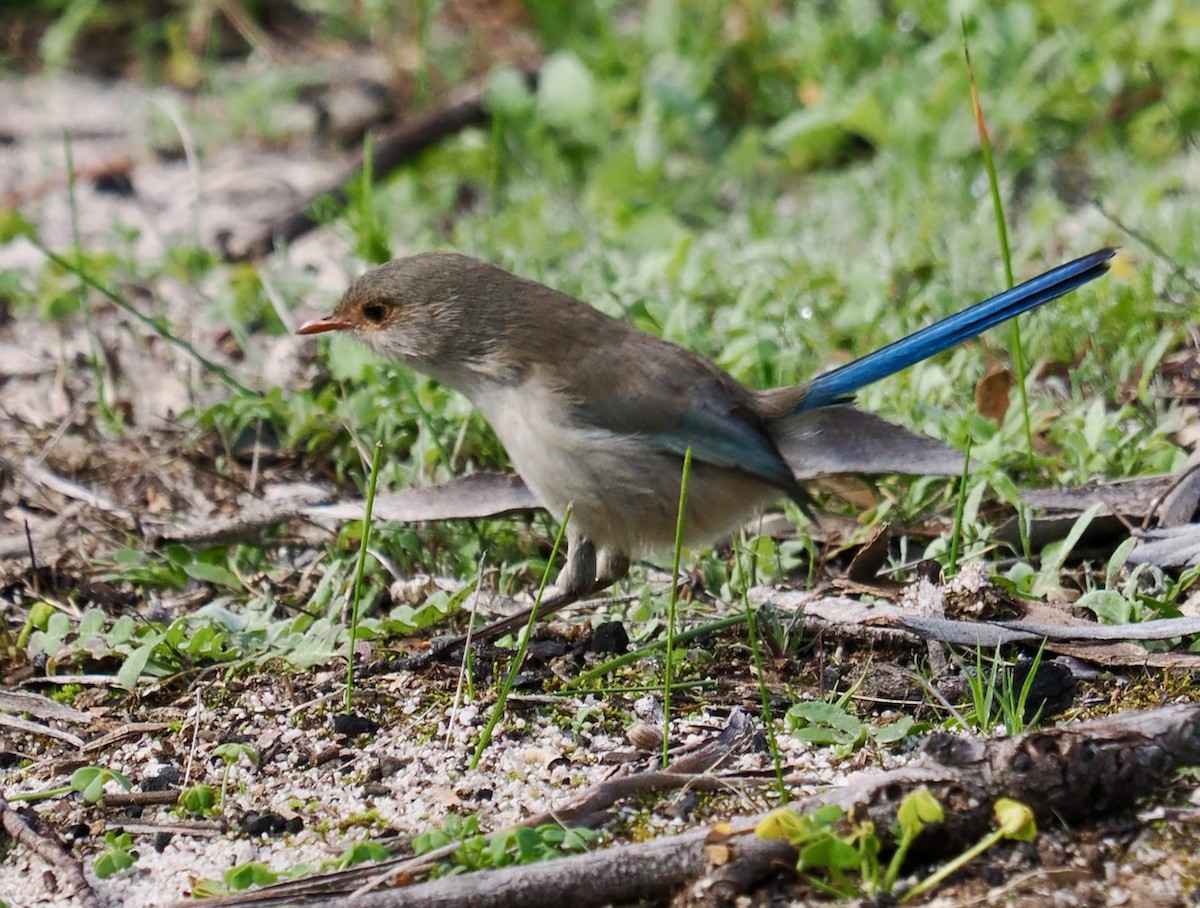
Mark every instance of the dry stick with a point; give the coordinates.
(52, 853)
(399, 145)
(118, 799)
(584, 810)
(1155, 504)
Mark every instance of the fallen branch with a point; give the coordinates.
(402, 143)
(77, 889)
(904, 623)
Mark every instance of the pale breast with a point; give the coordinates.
(624, 491)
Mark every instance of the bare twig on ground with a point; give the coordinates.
(402, 143)
(52, 853)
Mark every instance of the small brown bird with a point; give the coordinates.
(598, 415)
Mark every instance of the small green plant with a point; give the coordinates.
(254, 873)
(918, 810)
(360, 853)
(672, 603)
(830, 859)
(199, 800)
(844, 862)
(359, 568)
(141, 647)
(833, 725)
(38, 620)
(1015, 821)
(88, 781)
(475, 851)
(117, 855)
(231, 753)
(522, 645)
(237, 879)
(995, 698)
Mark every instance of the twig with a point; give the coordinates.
(401, 144)
(79, 892)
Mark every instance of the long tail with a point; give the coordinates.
(836, 386)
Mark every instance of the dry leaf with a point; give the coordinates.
(993, 392)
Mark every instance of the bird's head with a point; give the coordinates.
(438, 312)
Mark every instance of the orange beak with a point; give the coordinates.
(326, 323)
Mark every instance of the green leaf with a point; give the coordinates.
(122, 631)
(349, 360)
(566, 92)
(1117, 561)
(507, 93)
(829, 852)
(918, 809)
(1016, 820)
(90, 781)
(233, 751)
(198, 800)
(212, 573)
(58, 40)
(135, 663)
(824, 723)
(40, 614)
(1109, 607)
(780, 825)
(13, 224)
(797, 828)
(253, 873)
(894, 732)
(361, 853)
(85, 777)
(1057, 555)
(111, 862)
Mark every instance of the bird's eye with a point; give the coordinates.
(374, 313)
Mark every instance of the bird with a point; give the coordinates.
(597, 415)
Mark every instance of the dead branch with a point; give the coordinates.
(402, 143)
(49, 850)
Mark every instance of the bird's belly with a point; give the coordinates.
(623, 491)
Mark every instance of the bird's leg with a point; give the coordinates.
(578, 575)
(611, 567)
(583, 575)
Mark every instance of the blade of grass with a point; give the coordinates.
(1014, 327)
(763, 693)
(522, 647)
(674, 601)
(959, 508)
(128, 308)
(359, 569)
(1015, 703)
(466, 671)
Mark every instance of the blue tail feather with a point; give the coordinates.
(836, 386)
